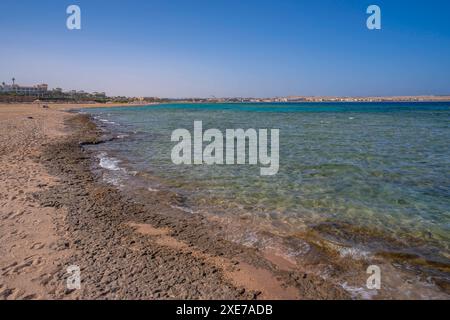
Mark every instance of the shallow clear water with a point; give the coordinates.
(381, 168)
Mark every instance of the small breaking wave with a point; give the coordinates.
(108, 121)
(109, 163)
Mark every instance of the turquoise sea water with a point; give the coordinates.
(371, 174)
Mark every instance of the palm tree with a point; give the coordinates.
(13, 80)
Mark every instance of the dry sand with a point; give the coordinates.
(28, 240)
(54, 213)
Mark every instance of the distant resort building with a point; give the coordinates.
(42, 91)
(36, 90)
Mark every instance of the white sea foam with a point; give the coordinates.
(114, 180)
(108, 121)
(354, 253)
(359, 292)
(108, 162)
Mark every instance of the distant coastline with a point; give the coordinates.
(15, 93)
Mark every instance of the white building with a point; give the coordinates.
(24, 90)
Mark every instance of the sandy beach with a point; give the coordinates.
(232, 158)
(56, 213)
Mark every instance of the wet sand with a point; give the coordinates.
(55, 212)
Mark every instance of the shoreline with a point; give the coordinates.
(119, 240)
(130, 250)
(76, 106)
(338, 262)
(337, 250)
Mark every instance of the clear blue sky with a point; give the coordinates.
(173, 48)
